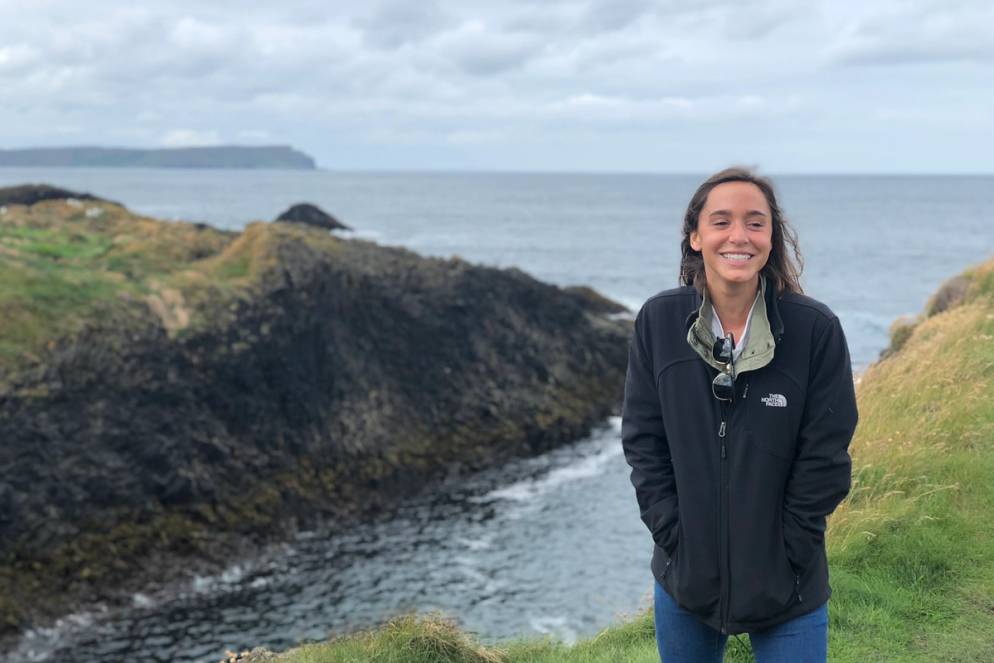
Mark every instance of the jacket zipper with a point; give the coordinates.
(723, 523)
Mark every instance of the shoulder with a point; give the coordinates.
(803, 305)
(802, 312)
(810, 318)
(671, 299)
(663, 315)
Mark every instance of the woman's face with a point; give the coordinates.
(734, 234)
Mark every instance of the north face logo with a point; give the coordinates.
(774, 400)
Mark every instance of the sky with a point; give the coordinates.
(846, 86)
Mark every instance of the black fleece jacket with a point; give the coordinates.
(736, 496)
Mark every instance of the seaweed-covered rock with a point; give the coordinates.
(311, 215)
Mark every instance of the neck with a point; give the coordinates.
(732, 301)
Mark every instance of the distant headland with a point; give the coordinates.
(220, 156)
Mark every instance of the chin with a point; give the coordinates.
(738, 277)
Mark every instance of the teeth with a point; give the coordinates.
(736, 256)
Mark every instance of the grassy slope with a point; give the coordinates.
(64, 262)
(911, 549)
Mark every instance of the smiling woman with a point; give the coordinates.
(736, 490)
(734, 236)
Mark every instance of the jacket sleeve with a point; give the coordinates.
(821, 473)
(644, 442)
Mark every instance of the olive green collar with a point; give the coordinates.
(760, 343)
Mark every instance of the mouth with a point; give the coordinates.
(737, 257)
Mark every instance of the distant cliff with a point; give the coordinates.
(221, 156)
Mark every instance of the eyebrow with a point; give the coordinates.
(726, 212)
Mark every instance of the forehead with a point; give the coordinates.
(736, 195)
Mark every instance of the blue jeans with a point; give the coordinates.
(682, 638)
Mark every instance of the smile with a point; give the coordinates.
(737, 257)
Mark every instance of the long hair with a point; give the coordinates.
(782, 271)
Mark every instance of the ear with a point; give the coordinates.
(695, 241)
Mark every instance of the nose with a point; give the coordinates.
(738, 234)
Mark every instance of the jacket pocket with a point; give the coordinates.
(666, 570)
(692, 577)
(764, 581)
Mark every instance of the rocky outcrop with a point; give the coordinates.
(326, 378)
(311, 215)
(29, 194)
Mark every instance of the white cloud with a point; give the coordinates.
(356, 81)
(16, 58)
(255, 135)
(478, 49)
(190, 138)
(916, 34)
(390, 24)
(471, 137)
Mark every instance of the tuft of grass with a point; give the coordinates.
(405, 639)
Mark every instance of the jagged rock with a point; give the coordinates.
(327, 378)
(29, 194)
(311, 215)
(596, 300)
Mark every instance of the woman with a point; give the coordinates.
(738, 413)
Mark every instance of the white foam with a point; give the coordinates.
(554, 625)
(38, 644)
(258, 583)
(140, 600)
(230, 576)
(481, 543)
(371, 235)
(527, 490)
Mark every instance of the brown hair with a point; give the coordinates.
(781, 271)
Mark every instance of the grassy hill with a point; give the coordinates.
(911, 550)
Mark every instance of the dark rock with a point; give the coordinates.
(949, 295)
(596, 300)
(29, 194)
(311, 215)
(345, 377)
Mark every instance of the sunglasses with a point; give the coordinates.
(723, 386)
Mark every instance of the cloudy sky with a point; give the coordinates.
(595, 85)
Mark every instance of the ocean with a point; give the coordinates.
(545, 546)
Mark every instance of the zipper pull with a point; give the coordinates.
(797, 588)
(746, 391)
(721, 431)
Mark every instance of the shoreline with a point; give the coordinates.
(279, 380)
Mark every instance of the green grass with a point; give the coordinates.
(62, 265)
(911, 550)
(46, 288)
